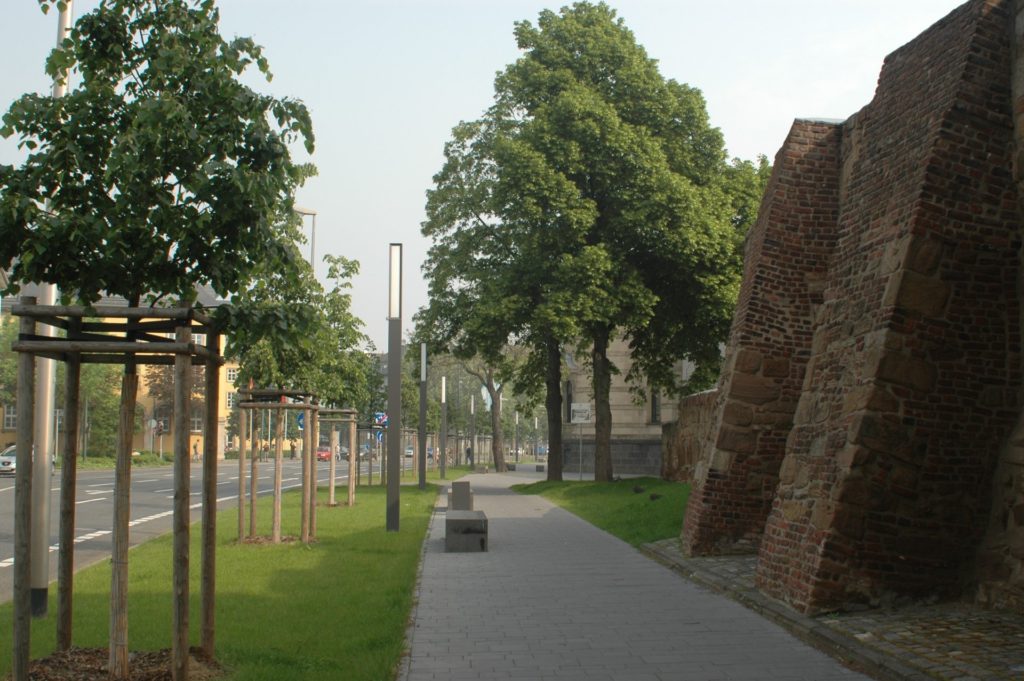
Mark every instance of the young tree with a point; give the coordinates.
(161, 170)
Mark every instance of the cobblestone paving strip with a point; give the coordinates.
(925, 641)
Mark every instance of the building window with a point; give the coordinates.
(232, 399)
(568, 401)
(232, 375)
(196, 422)
(199, 339)
(10, 417)
(655, 407)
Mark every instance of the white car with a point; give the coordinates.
(8, 461)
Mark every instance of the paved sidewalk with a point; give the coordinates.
(556, 598)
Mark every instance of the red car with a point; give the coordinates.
(323, 453)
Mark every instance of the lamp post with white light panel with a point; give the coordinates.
(394, 384)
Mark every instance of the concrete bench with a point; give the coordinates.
(465, 532)
(460, 498)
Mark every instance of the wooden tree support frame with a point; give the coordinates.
(129, 336)
(281, 401)
(332, 417)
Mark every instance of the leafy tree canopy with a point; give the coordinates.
(160, 170)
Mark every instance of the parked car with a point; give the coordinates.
(8, 461)
(408, 452)
(323, 453)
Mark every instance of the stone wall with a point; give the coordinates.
(873, 369)
(999, 572)
(682, 441)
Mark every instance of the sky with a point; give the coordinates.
(385, 82)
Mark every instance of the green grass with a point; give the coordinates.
(618, 509)
(335, 609)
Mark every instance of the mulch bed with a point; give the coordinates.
(90, 664)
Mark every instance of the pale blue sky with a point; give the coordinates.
(386, 81)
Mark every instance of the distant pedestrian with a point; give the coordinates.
(195, 451)
(291, 444)
(469, 456)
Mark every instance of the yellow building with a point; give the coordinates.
(156, 418)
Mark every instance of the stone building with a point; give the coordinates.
(866, 438)
(636, 425)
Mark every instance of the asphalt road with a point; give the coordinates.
(151, 515)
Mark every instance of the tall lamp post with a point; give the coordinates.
(444, 428)
(394, 382)
(312, 235)
(423, 417)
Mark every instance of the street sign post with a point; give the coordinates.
(579, 413)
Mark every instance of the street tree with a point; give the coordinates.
(160, 170)
(591, 202)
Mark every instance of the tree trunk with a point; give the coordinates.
(118, 663)
(602, 383)
(497, 441)
(68, 481)
(118, 645)
(553, 405)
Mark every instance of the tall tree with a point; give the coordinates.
(588, 204)
(640, 150)
(161, 170)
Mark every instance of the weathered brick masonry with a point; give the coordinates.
(872, 374)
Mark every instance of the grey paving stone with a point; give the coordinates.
(560, 599)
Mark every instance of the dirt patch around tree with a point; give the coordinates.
(90, 664)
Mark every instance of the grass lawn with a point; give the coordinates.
(618, 508)
(336, 609)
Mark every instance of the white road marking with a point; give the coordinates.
(89, 501)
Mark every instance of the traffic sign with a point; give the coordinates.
(301, 418)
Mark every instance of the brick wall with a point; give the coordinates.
(884, 273)
(999, 570)
(682, 441)
(785, 268)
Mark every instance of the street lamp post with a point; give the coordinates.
(444, 428)
(394, 383)
(422, 449)
(312, 235)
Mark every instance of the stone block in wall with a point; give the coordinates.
(753, 389)
(925, 295)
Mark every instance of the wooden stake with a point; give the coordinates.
(23, 503)
(243, 429)
(209, 557)
(334, 468)
(353, 462)
(304, 520)
(182, 495)
(275, 521)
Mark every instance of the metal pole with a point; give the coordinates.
(472, 430)
(423, 417)
(394, 385)
(580, 444)
(46, 374)
(443, 446)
